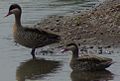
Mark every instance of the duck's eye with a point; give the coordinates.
(12, 7)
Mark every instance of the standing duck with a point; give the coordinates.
(86, 62)
(30, 37)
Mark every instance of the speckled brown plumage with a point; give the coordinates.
(87, 62)
(33, 38)
(30, 37)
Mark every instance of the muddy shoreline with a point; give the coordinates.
(99, 26)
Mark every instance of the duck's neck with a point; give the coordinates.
(18, 20)
(75, 53)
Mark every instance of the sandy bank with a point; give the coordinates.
(99, 26)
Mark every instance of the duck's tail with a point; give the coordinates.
(108, 63)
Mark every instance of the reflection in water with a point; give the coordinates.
(33, 69)
(104, 75)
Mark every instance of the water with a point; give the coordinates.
(15, 64)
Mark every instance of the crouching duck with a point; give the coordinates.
(86, 62)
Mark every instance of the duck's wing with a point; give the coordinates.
(50, 33)
(94, 58)
(43, 32)
(95, 61)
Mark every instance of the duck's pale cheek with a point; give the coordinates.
(14, 28)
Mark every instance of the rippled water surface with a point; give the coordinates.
(15, 62)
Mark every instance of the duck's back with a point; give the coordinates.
(93, 57)
(90, 62)
(33, 38)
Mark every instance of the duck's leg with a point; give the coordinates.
(33, 53)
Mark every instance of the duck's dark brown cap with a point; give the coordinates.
(13, 6)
